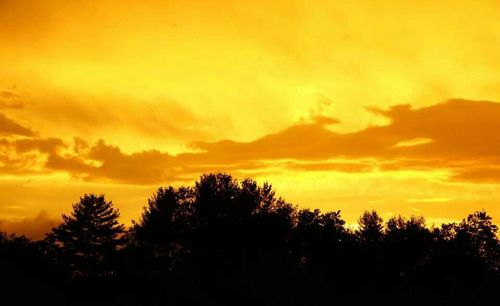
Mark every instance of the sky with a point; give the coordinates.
(341, 105)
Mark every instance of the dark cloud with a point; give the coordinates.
(482, 174)
(454, 135)
(109, 162)
(458, 135)
(44, 145)
(10, 127)
(455, 129)
(26, 155)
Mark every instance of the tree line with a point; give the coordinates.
(229, 242)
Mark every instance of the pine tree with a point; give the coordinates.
(86, 241)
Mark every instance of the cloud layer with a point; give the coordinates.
(460, 136)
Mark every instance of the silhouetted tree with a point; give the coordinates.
(167, 223)
(480, 235)
(320, 245)
(368, 267)
(318, 235)
(462, 268)
(224, 242)
(243, 232)
(26, 277)
(406, 250)
(86, 241)
(370, 227)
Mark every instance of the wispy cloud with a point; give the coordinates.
(10, 127)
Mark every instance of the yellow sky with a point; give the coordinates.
(122, 96)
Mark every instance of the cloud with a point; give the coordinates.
(454, 135)
(10, 127)
(157, 121)
(482, 174)
(343, 166)
(44, 145)
(32, 227)
(465, 129)
(109, 162)
(27, 155)
(10, 99)
(460, 136)
(461, 128)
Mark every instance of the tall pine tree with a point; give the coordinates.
(87, 239)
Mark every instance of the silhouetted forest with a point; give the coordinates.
(229, 242)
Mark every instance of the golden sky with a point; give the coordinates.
(349, 105)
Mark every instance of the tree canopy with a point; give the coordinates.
(223, 241)
(89, 237)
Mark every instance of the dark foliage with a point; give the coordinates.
(225, 242)
(86, 242)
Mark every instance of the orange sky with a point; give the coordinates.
(348, 105)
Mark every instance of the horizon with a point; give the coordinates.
(38, 227)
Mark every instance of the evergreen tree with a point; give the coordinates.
(86, 241)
